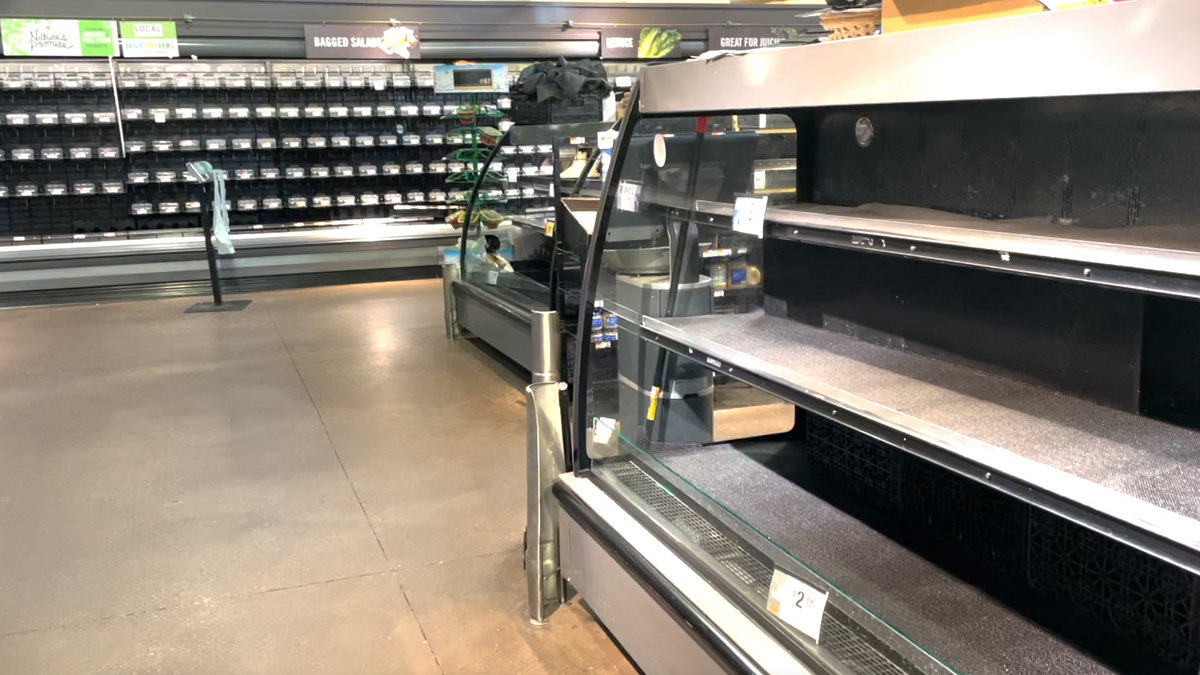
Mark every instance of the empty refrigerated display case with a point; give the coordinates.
(914, 336)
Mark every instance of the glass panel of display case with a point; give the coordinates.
(512, 244)
(660, 423)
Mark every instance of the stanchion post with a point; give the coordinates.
(202, 192)
(545, 463)
(210, 251)
(545, 362)
(450, 274)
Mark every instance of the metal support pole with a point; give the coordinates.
(545, 402)
(210, 251)
(450, 274)
(547, 347)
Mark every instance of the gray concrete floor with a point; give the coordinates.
(319, 484)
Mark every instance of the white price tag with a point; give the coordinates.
(797, 604)
(603, 431)
(160, 117)
(629, 193)
(760, 180)
(748, 214)
(492, 277)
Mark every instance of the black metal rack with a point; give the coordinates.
(265, 123)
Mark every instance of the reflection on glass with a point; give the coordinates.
(524, 236)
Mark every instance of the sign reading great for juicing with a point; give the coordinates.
(58, 37)
(362, 41)
(149, 39)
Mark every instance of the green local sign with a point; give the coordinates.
(149, 39)
(58, 37)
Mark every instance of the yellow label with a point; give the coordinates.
(549, 228)
(653, 404)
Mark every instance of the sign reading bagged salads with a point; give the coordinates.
(58, 37)
(149, 39)
(364, 41)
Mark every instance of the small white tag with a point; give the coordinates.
(603, 430)
(748, 214)
(760, 180)
(797, 604)
(629, 193)
(492, 277)
(160, 117)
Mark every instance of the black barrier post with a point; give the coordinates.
(201, 192)
(214, 275)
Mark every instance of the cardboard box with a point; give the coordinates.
(901, 15)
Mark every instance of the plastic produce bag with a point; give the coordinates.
(220, 213)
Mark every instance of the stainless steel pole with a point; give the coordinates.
(544, 463)
(547, 347)
(449, 276)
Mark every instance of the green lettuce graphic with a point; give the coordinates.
(657, 43)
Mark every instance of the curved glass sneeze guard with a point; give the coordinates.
(515, 246)
(693, 450)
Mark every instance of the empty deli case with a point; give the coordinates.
(946, 379)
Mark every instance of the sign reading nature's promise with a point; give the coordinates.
(362, 41)
(58, 37)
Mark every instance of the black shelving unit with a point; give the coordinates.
(100, 151)
(61, 144)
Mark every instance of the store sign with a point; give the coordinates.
(747, 37)
(646, 42)
(463, 79)
(149, 39)
(58, 37)
(365, 41)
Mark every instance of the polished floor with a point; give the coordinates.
(319, 484)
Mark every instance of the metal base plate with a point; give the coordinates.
(227, 306)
